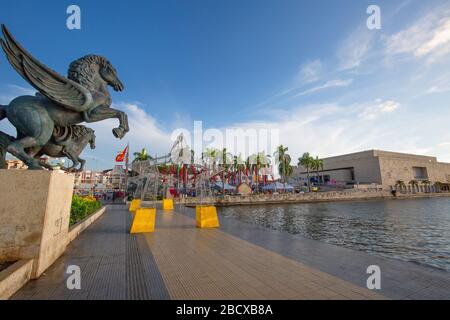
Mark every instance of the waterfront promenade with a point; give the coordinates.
(237, 261)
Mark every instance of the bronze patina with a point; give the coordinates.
(60, 106)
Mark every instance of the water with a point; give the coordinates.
(415, 230)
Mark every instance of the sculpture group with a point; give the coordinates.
(49, 122)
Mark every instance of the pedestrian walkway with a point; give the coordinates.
(179, 261)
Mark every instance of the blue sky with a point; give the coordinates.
(310, 69)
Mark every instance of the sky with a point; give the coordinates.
(311, 70)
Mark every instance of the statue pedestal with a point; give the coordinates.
(34, 216)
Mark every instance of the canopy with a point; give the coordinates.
(278, 186)
(226, 186)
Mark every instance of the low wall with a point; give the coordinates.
(15, 277)
(77, 229)
(347, 195)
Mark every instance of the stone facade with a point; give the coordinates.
(382, 168)
(34, 216)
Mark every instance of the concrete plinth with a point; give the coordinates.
(34, 216)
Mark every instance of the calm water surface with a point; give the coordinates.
(416, 230)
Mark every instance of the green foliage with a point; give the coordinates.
(82, 207)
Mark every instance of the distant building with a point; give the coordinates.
(378, 167)
(16, 165)
(88, 182)
(118, 178)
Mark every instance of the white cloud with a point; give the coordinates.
(144, 133)
(373, 111)
(310, 72)
(333, 129)
(440, 38)
(355, 48)
(438, 89)
(439, 84)
(327, 85)
(428, 37)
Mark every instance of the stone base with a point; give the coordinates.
(34, 216)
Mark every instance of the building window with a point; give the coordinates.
(420, 173)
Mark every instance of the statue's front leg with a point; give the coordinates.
(123, 128)
(103, 113)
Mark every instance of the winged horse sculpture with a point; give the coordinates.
(60, 102)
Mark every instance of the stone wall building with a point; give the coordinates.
(380, 167)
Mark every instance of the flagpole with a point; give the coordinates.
(126, 171)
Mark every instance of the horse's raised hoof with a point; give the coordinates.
(119, 133)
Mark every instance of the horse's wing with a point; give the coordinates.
(57, 88)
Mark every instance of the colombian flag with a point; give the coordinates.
(121, 156)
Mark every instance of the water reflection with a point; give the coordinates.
(416, 230)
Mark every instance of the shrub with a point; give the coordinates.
(83, 207)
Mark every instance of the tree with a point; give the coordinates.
(225, 159)
(306, 162)
(262, 161)
(400, 184)
(252, 165)
(317, 164)
(414, 184)
(426, 183)
(211, 155)
(239, 166)
(284, 162)
(141, 156)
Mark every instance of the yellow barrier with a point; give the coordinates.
(167, 204)
(144, 221)
(135, 204)
(206, 217)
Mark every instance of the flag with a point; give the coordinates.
(121, 156)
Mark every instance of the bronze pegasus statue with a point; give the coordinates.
(60, 102)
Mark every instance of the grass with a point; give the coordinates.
(83, 207)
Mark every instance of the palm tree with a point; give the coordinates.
(438, 186)
(211, 155)
(239, 166)
(306, 162)
(426, 183)
(284, 162)
(401, 184)
(414, 184)
(317, 164)
(252, 165)
(141, 156)
(263, 161)
(225, 159)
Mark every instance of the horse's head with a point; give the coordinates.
(88, 69)
(109, 74)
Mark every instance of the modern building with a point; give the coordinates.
(379, 167)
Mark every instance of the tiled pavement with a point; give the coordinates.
(114, 265)
(211, 264)
(238, 261)
(400, 280)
